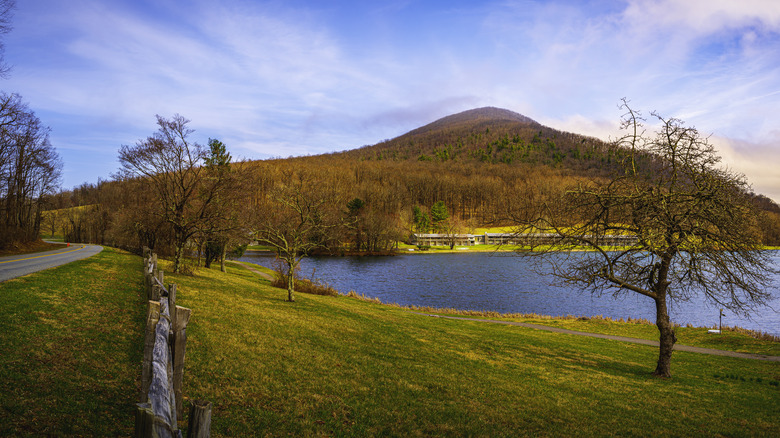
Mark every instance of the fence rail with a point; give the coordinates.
(165, 344)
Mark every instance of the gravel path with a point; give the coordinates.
(256, 271)
(677, 347)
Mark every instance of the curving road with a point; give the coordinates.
(18, 265)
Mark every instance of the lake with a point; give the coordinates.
(501, 282)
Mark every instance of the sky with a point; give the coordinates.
(289, 78)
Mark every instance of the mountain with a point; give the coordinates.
(485, 116)
(494, 135)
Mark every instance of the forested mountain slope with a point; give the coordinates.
(493, 135)
(486, 165)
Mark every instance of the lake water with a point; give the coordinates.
(501, 282)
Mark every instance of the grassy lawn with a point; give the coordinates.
(71, 343)
(346, 367)
(339, 366)
(693, 336)
(735, 340)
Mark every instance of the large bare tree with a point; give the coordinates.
(174, 168)
(292, 218)
(687, 223)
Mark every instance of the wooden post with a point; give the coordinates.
(144, 420)
(179, 351)
(153, 315)
(161, 394)
(160, 276)
(174, 346)
(172, 303)
(199, 423)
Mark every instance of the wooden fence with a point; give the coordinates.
(165, 343)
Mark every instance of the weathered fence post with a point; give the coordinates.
(161, 388)
(180, 348)
(144, 420)
(153, 315)
(172, 302)
(199, 423)
(160, 277)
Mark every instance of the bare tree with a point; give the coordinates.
(173, 167)
(6, 13)
(30, 169)
(291, 218)
(687, 226)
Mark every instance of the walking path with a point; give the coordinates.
(677, 347)
(256, 271)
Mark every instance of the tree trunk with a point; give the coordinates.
(666, 340)
(290, 282)
(222, 258)
(177, 258)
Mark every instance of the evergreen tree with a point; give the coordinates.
(439, 214)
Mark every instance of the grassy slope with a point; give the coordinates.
(71, 342)
(339, 366)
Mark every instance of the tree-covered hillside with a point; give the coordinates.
(486, 166)
(493, 135)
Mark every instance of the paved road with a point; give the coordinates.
(677, 347)
(16, 266)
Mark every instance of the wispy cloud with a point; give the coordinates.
(279, 79)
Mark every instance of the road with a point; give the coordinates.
(18, 265)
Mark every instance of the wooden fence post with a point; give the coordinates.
(160, 276)
(153, 315)
(172, 302)
(144, 420)
(179, 351)
(156, 292)
(199, 423)
(161, 388)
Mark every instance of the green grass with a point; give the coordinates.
(339, 366)
(731, 340)
(693, 336)
(345, 367)
(71, 342)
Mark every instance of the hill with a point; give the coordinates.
(541, 159)
(494, 135)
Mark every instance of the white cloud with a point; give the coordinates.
(274, 79)
(701, 17)
(757, 160)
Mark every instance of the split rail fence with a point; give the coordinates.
(161, 401)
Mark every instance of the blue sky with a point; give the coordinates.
(282, 78)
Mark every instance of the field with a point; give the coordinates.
(346, 367)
